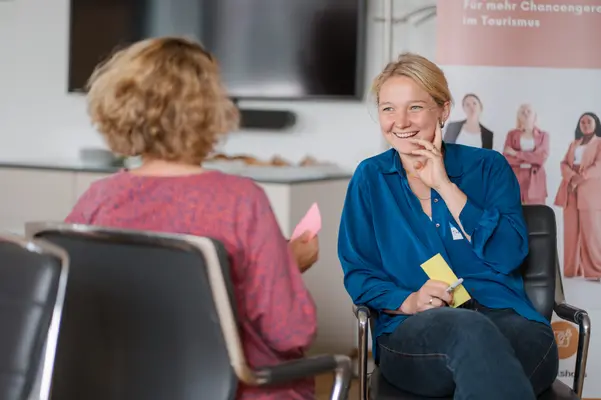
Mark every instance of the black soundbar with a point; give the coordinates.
(266, 119)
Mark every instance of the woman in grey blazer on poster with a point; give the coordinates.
(470, 131)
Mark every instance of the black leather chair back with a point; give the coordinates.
(30, 282)
(139, 321)
(540, 266)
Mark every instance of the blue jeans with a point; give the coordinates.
(476, 353)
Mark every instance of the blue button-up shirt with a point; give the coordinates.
(385, 236)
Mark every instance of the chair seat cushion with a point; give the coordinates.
(380, 389)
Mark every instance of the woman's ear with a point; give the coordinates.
(446, 112)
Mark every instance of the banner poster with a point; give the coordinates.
(526, 80)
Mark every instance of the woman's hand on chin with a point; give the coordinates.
(430, 169)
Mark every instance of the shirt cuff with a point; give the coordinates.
(396, 299)
(470, 217)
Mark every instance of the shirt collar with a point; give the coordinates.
(452, 164)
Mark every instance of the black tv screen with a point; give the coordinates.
(267, 49)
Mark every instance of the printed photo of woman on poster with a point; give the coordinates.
(526, 149)
(470, 131)
(579, 195)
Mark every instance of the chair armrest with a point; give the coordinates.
(568, 312)
(307, 367)
(360, 309)
(581, 318)
(363, 315)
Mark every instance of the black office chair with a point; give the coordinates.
(33, 276)
(151, 316)
(544, 287)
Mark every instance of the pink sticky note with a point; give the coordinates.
(310, 222)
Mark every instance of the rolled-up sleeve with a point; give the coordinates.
(498, 231)
(364, 277)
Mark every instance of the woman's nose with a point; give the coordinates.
(401, 119)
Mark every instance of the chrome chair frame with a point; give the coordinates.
(341, 365)
(43, 247)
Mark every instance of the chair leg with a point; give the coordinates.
(363, 320)
(584, 337)
(342, 378)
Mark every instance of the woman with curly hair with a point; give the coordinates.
(578, 195)
(162, 99)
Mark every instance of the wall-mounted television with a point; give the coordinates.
(267, 49)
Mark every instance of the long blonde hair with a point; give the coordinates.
(518, 123)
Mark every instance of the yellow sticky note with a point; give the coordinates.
(437, 269)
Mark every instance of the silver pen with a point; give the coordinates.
(455, 285)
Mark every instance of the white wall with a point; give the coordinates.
(39, 120)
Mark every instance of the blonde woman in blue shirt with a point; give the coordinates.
(422, 198)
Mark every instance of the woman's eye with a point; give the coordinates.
(387, 109)
(416, 107)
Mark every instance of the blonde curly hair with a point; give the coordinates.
(161, 98)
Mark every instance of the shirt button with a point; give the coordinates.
(436, 200)
(438, 225)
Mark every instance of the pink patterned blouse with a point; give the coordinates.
(277, 312)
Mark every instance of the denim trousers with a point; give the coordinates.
(470, 353)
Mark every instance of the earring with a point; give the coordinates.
(441, 125)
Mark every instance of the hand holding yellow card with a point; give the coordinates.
(437, 269)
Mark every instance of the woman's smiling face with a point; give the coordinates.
(406, 111)
(587, 124)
